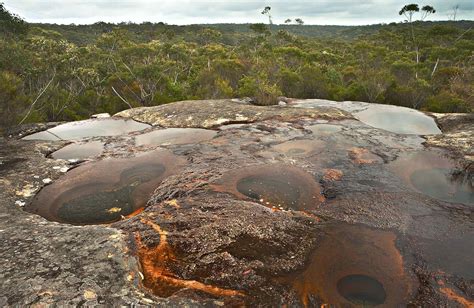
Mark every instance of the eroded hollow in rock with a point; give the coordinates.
(354, 265)
(79, 151)
(275, 186)
(88, 128)
(300, 148)
(175, 136)
(104, 191)
(361, 290)
(430, 173)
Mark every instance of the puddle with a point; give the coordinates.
(296, 148)
(89, 128)
(79, 151)
(450, 255)
(324, 129)
(398, 120)
(354, 266)
(175, 136)
(275, 186)
(104, 191)
(434, 175)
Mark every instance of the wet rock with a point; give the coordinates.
(347, 220)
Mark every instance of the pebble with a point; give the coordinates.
(47, 181)
(20, 203)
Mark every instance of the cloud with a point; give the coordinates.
(212, 11)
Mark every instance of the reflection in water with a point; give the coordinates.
(79, 151)
(435, 176)
(89, 128)
(175, 136)
(354, 265)
(275, 185)
(104, 191)
(398, 120)
(439, 184)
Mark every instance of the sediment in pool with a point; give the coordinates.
(275, 186)
(104, 191)
(300, 148)
(354, 265)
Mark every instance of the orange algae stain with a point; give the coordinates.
(456, 297)
(363, 156)
(173, 203)
(333, 175)
(159, 278)
(138, 211)
(312, 216)
(353, 251)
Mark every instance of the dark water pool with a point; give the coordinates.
(104, 191)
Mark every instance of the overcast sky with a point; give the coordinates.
(341, 12)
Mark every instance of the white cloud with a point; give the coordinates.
(229, 11)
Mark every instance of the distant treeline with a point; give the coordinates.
(67, 72)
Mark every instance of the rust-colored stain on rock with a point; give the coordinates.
(333, 175)
(363, 156)
(159, 278)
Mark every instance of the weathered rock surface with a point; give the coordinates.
(211, 114)
(458, 134)
(218, 232)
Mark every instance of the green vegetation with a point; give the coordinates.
(59, 72)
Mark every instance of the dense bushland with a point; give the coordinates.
(55, 72)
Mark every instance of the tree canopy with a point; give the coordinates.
(67, 72)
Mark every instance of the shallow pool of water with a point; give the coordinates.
(175, 136)
(104, 191)
(452, 255)
(361, 290)
(432, 174)
(275, 186)
(89, 128)
(398, 120)
(79, 151)
(354, 265)
(300, 148)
